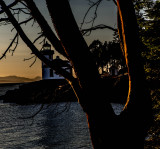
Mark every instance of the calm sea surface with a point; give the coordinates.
(57, 126)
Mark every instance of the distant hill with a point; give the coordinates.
(16, 79)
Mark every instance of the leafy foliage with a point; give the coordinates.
(148, 15)
(109, 52)
(151, 39)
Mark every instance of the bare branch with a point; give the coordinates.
(26, 59)
(19, 10)
(4, 19)
(88, 31)
(26, 21)
(35, 59)
(23, 4)
(93, 4)
(35, 51)
(40, 36)
(47, 31)
(13, 41)
(11, 5)
(100, 26)
(33, 62)
(15, 45)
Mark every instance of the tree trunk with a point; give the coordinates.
(137, 115)
(90, 93)
(106, 129)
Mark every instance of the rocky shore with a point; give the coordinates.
(44, 91)
(51, 91)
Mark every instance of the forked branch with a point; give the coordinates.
(94, 5)
(10, 6)
(11, 44)
(47, 31)
(35, 51)
(100, 26)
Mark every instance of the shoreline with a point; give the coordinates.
(48, 91)
(44, 91)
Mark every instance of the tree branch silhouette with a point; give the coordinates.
(11, 5)
(11, 44)
(47, 31)
(35, 51)
(94, 5)
(97, 27)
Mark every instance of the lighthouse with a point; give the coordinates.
(47, 72)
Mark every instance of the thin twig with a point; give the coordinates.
(15, 45)
(33, 62)
(42, 35)
(26, 21)
(100, 26)
(26, 59)
(10, 6)
(13, 41)
(93, 4)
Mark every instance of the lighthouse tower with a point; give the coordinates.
(47, 73)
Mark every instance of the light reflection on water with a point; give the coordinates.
(69, 130)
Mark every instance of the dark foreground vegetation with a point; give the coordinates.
(51, 91)
(39, 92)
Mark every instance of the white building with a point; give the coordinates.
(47, 72)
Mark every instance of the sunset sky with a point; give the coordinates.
(15, 65)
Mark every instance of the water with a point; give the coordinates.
(57, 126)
(67, 130)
